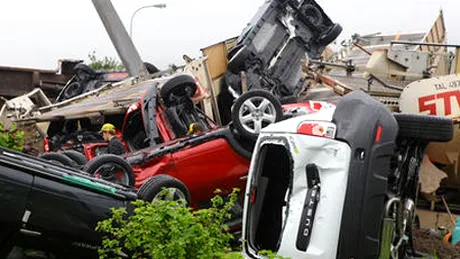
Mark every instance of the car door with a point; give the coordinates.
(14, 189)
(208, 166)
(66, 210)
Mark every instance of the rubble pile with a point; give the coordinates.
(431, 244)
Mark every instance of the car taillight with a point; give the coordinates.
(133, 107)
(46, 145)
(317, 106)
(317, 128)
(253, 195)
(378, 134)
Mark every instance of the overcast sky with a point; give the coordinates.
(38, 33)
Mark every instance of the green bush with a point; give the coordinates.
(271, 255)
(11, 138)
(168, 229)
(107, 63)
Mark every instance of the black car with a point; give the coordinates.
(52, 207)
(271, 48)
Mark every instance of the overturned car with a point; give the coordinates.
(162, 154)
(271, 48)
(338, 183)
(53, 208)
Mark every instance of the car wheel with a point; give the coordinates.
(111, 168)
(289, 99)
(313, 14)
(58, 158)
(177, 88)
(164, 187)
(73, 90)
(330, 35)
(255, 110)
(151, 68)
(76, 156)
(428, 128)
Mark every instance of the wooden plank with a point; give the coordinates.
(430, 39)
(457, 61)
(433, 220)
(217, 59)
(441, 30)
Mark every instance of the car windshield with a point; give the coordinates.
(64, 134)
(134, 132)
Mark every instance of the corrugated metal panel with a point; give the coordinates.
(437, 34)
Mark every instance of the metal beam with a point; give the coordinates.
(424, 44)
(120, 38)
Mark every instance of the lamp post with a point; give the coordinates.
(140, 8)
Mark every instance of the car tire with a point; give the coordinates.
(58, 158)
(330, 35)
(104, 167)
(76, 156)
(423, 127)
(176, 88)
(152, 69)
(241, 111)
(73, 90)
(313, 14)
(154, 187)
(289, 99)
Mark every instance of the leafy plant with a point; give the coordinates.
(12, 137)
(107, 63)
(168, 229)
(270, 255)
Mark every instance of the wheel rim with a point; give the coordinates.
(170, 194)
(112, 173)
(179, 94)
(256, 113)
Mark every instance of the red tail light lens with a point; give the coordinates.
(46, 145)
(133, 107)
(253, 195)
(317, 128)
(378, 134)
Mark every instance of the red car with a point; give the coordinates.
(161, 153)
(191, 167)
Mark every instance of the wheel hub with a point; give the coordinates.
(170, 194)
(254, 112)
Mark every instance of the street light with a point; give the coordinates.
(143, 7)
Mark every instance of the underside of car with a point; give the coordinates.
(271, 49)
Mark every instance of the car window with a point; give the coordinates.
(134, 133)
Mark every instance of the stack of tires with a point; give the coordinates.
(69, 158)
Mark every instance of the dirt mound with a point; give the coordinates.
(430, 243)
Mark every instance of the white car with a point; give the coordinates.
(325, 184)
